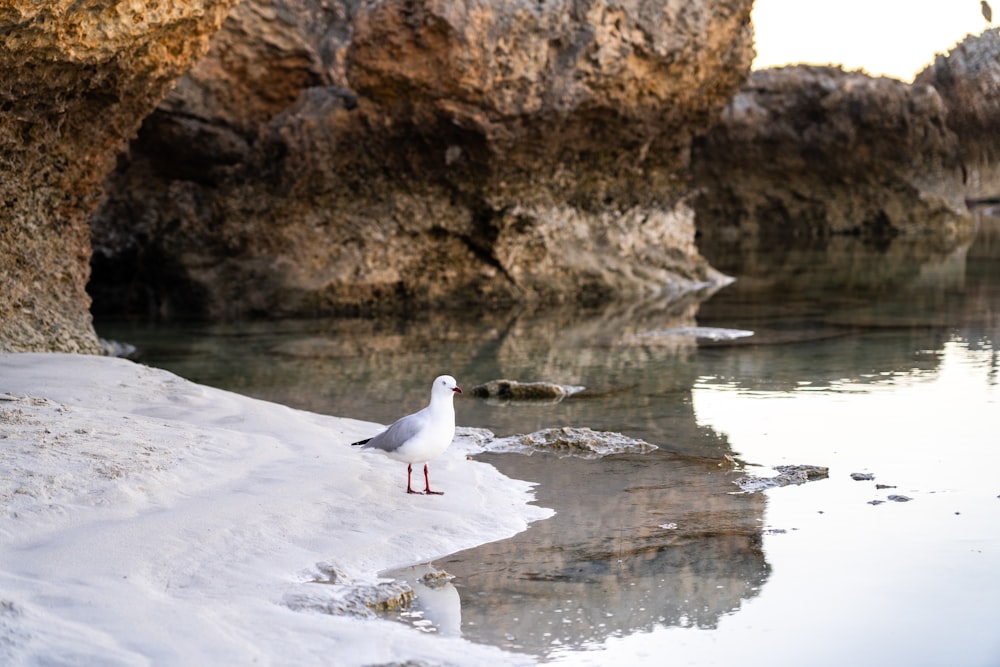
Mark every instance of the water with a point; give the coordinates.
(876, 360)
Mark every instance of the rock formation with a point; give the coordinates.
(808, 153)
(76, 79)
(968, 79)
(345, 157)
(334, 156)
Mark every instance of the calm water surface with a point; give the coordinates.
(874, 360)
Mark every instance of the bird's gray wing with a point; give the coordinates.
(398, 433)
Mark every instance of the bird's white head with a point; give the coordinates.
(445, 385)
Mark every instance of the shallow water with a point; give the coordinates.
(876, 360)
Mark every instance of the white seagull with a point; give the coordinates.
(422, 436)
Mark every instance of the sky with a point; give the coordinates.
(895, 38)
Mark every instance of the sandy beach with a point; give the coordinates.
(150, 520)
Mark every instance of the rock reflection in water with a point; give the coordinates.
(436, 606)
(320, 365)
(638, 541)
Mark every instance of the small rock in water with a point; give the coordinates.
(341, 596)
(436, 579)
(795, 474)
(479, 436)
(582, 442)
(730, 461)
(900, 499)
(875, 502)
(885, 486)
(862, 476)
(512, 390)
(809, 472)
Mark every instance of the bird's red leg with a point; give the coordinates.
(427, 484)
(409, 473)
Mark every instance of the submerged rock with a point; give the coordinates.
(512, 390)
(568, 441)
(342, 596)
(363, 601)
(479, 437)
(862, 476)
(790, 474)
(436, 579)
(896, 498)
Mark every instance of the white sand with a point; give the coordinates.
(148, 520)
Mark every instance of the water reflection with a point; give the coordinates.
(637, 542)
(321, 364)
(437, 606)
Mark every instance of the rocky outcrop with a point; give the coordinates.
(76, 79)
(968, 80)
(786, 475)
(352, 157)
(808, 153)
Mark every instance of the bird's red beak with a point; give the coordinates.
(457, 390)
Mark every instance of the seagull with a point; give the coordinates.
(422, 436)
(987, 12)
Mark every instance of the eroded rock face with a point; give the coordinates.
(76, 79)
(423, 153)
(968, 79)
(805, 153)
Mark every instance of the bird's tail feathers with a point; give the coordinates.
(360, 442)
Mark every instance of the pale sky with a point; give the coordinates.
(895, 38)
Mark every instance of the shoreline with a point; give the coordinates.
(150, 519)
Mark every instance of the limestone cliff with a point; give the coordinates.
(342, 156)
(76, 79)
(803, 154)
(968, 79)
